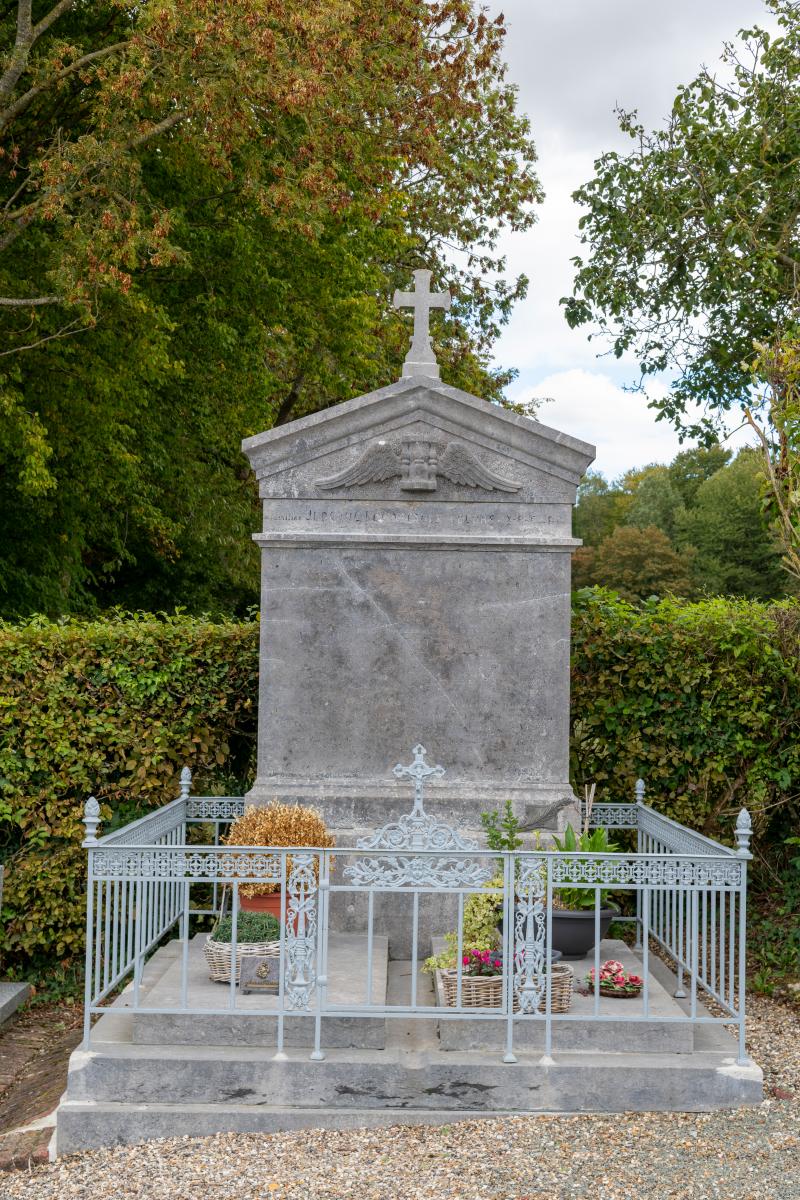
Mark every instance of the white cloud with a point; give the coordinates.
(573, 62)
(592, 407)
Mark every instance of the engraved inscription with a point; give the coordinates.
(419, 464)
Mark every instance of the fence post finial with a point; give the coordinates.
(186, 783)
(639, 791)
(744, 830)
(91, 819)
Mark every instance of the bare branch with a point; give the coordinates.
(65, 331)
(31, 302)
(22, 102)
(27, 36)
(156, 130)
(57, 11)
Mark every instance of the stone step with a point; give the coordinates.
(131, 1095)
(664, 1031)
(347, 976)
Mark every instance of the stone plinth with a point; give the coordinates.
(415, 587)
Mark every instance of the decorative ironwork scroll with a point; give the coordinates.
(301, 931)
(417, 831)
(530, 959)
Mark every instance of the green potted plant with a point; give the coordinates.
(256, 934)
(573, 929)
(275, 824)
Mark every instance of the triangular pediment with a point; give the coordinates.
(309, 455)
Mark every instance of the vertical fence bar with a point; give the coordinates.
(732, 952)
(742, 1057)
(370, 936)
(137, 943)
(87, 986)
(460, 949)
(280, 1053)
(680, 991)
(509, 965)
(115, 963)
(548, 1011)
(185, 946)
(414, 948)
(722, 940)
(234, 937)
(318, 1054)
(596, 1006)
(646, 895)
(107, 893)
(692, 956)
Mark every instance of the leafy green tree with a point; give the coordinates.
(197, 224)
(736, 554)
(690, 468)
(600, 507)
(655, 502)
(639, 563)
(693, 242)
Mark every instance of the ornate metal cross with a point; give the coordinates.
(420, 359)
(419, 771)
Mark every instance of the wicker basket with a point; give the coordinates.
(486, 991)
(218, 956)
(606, 991)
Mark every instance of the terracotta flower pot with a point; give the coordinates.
(270, 903)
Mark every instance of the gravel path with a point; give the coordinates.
(743, 1155)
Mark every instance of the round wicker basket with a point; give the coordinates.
(486, 991)
(218, 956)
(617, 994)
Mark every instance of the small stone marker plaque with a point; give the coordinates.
(260, 973)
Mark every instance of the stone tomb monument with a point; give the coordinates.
(415, 586)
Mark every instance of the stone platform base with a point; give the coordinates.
(125, 1090)
(12, 997)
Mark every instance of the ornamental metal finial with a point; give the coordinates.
(744, 831)
(419, 771)
(91, 819)
(639, 791)
(186, 783)
(420, 359)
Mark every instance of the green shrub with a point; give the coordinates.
(113, 707)
(700, 700)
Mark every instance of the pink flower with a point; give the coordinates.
(636, 980)
(465, 960)
(496, 964)
(619, 978)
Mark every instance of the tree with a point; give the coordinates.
(655, 502)
(690, 468)
(639, 563)
(202, 229)
(735, 552)
(600, 507)
(693, 237)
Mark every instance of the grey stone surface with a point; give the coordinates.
(665, 1030)
(415, 587)
(12, 997)
(347, 984)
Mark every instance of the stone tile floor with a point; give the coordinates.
(35, 1046)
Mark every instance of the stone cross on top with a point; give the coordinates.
(420, 359)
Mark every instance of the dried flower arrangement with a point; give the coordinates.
(277, 824)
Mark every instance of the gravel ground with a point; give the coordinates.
(743, 1155)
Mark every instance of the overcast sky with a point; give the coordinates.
(573, 61)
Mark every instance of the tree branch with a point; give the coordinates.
(27, 36)
(156, 130)
(32, 302)
(22, 102)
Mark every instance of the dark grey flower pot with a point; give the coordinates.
(573, 932)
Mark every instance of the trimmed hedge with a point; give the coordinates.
(111, 707)
(703, 700)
